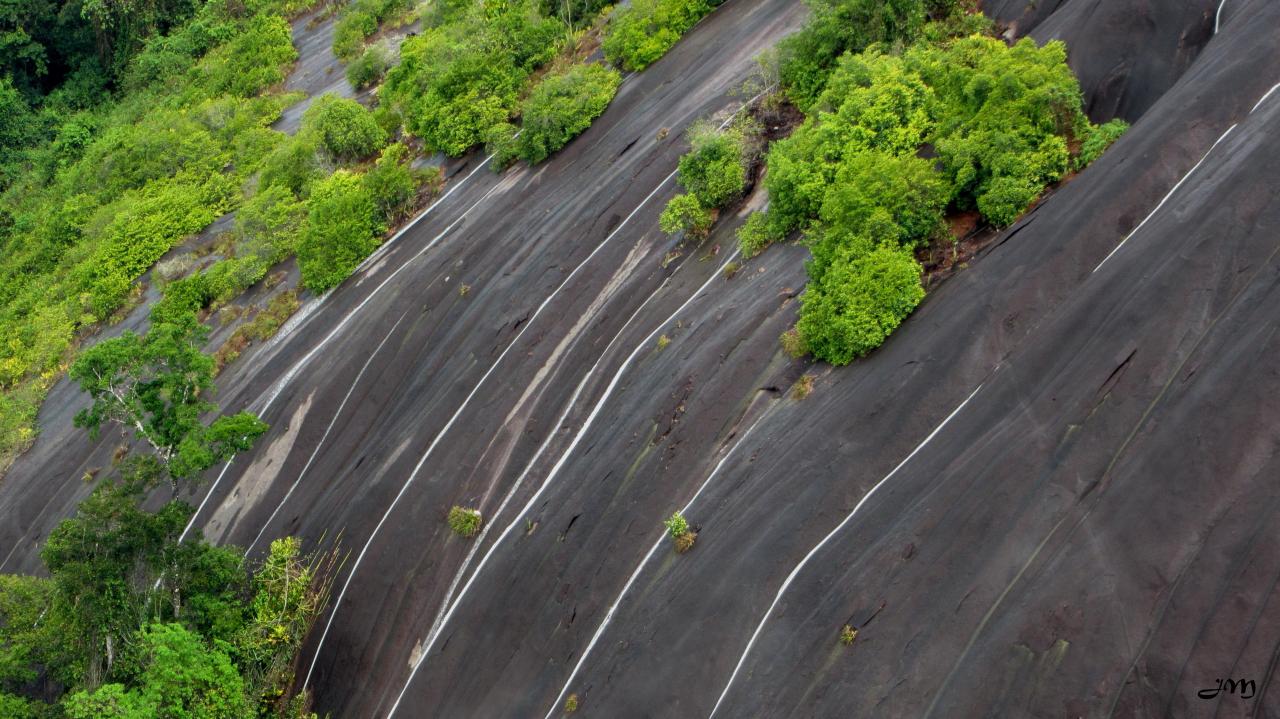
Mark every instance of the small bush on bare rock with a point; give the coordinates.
(465, 522)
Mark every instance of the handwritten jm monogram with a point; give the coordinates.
(1247, 688)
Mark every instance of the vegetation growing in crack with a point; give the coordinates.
(715, 172)
(907, 119)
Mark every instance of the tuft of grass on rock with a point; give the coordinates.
(847, 635)
(465, 522)
(793, 344)
(802, 388)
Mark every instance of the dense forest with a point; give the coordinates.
(128, 128)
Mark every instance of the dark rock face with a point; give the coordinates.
(1128, 54)
(1051, 493)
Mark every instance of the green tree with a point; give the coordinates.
(153, 386)
(561, 106)
(31, 646)
(684, 213)
(857, 302)
(343, 227)
(182, 678)
(344, 127)
(103, 562)
(716, 166)
(645, 30)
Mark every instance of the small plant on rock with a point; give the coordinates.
(571, 704)
(680, 533)
(465, 522)
(847, 635)
(684, 213)
(803, 387)
(793, 344)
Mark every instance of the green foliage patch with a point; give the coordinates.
(645, 30)
(343, 227)
(359, 20)
(995, 122)
(344, 128)
(561, 106)
(464, 522)
(465, 73)
(107, 185)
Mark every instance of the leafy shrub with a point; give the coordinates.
(293, 165)
(344, 127)
(267, 224)
(684, 213)
(858, 302)
(255, 60)
(1098, 140)
(389, 119)
(392, 183)
(369, 68)
(464, 522)
(836, 27)
(1004, 116)
(359, 20)
(571, 704)
(757, 233)
(645, 30)
(350, 31)
(461, 77)
(715, 168)
(676, 525)
(503, 144)
(873, 103)
(563, 105)
(898, 200)
(342, 228)
(1000, 119)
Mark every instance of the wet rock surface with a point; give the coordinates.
(1051, 493)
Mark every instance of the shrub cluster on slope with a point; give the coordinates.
(559, 108)
(714, 172)
(464, 73)
(645, 30)
(997, 124)
(106, 187)
(359, 20)
(112, 169)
